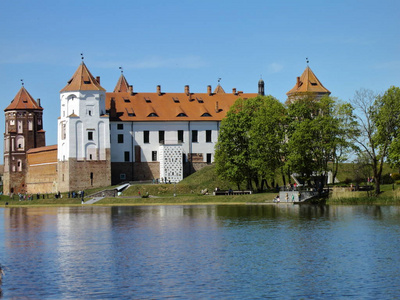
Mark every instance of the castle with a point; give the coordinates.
(106, 138)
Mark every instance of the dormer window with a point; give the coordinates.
(147, 99)
(176, 100)
(86, 81)
(206, 115)
(153, 115)
(127, 100)
(200, 100)
(182, 115)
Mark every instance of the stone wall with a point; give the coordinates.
(146, 171)
(41, 175)
(75, 175)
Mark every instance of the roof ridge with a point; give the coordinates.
(82, 80)
(23, 100)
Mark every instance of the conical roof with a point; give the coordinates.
(308, 83)
(23, 100)
(219, 89)
(82, 80)
(122, 85)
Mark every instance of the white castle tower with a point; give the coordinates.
(83, 134)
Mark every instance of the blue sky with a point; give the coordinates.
(350, 44)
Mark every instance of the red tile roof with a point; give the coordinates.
(23, 100)
(82, 80)
(171, 106)
(308, 83)
(122, 85)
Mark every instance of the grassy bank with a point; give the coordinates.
(188, 191)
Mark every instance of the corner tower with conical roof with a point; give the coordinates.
(307, 84)
(83, 134)
(23, 131)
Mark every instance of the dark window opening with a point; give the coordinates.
(200, 100)
(176, 100)
(209, 158)
(146, 136)
(153, 115)
(120, 126)
(148, 100)
(206, 115)
(127, 100)
(90, 135)
(182, 115)
(120, 138)
(126, 155)
(208, 136)
(180, 136)
(91, 178)
(194, 136)
(154, 155)
(161, 135)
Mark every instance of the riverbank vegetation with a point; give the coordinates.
(310, 137)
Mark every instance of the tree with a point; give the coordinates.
(248, 148)
(316, 135)
(378, 123)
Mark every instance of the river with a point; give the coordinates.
(201, 252)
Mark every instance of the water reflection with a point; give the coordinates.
(232, 251)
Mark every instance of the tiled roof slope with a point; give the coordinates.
(219, 89)
(308, 83)
(42, 149)
(23, 100)
(171, 106)
(122, 85)
(82, 80)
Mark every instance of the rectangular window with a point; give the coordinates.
(122, 176)
(208, 136)
(120, 126)
(146, 136)
(126, 155)
(194, 136)
(138, 154)
(154, 155)
(161, 135)
(90, 136)
(209, 158)
(180, 136)
(120, 138)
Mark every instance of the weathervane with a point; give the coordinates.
(122, 70)
(307, 60)
(22, 82)
(82, 56)
(219, 80)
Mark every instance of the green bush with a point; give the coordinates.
(396, 176)
(386, 179)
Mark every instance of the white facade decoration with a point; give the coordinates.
(83, 128)
(171, 167)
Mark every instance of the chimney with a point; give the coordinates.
(298, 81)
(98, 79)
(131, 89)
(216, 107)
(234, 91)
(38, 102)
(209, 90)
(159, 90)
(187, 90)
